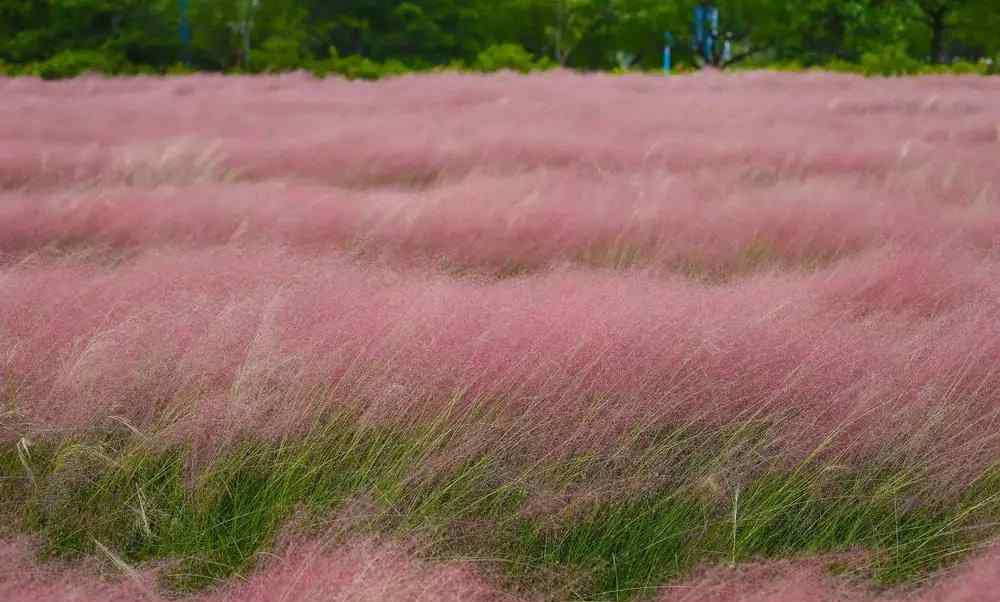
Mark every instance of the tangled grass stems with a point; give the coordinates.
(533, 519)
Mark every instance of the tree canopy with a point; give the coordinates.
(583, 34)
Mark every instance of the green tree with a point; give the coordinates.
(139, 31)
(938, 16)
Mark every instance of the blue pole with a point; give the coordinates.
(706, 31)
(699, 28)
(712, 17)
(668, 41)
(185, 31)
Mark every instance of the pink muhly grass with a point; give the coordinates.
(852, 164)
(808, 580)
(870, 348)
(362, 571)
(446, 125)
(367, 570)
(24, 580)
(775, 581)
(527, 222)
(307, 572)
(977, 579)
(813, 252)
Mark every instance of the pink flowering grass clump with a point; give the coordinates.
(23, 580)
(601, 334)
(808, 581)
(358, 571)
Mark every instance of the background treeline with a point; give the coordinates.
(373, 38)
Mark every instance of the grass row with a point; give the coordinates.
(543, 534)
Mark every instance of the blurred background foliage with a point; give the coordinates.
(375, 38)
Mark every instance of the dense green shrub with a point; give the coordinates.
(359, 67)
(967, 68)
(792, 66)
(70, 63)
(180, 69)
(509, 56)
(454, 65)
(889, 61)
(877, 64)
(355, 67)
(841, 66)
(277, 54)
(132, 69)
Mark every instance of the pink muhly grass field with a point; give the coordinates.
(581, 258)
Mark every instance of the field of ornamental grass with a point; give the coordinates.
(711, 338)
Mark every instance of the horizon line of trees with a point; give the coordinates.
(255, 35)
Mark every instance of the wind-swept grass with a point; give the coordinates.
(119, 493)
(479, 338)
